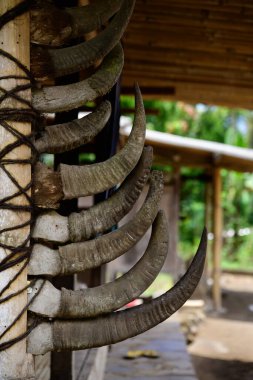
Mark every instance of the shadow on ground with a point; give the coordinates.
(222, 369)
(223, 349)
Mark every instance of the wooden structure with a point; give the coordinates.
(172, 361)
(180, 151)
(14, 39)
(215, 67)
(191, 50)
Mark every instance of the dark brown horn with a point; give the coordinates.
(54, 26)
(92, 17)
(59, 62)
(64, 137)
(111, 296)
(71, 96)
(120, 325)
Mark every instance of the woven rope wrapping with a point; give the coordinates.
(20, 253)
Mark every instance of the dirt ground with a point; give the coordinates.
(223, 349)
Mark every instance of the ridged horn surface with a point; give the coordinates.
(120, 325)
(104, 215)
(68, 97)
(77, 257)
(92, 16)
(54, 26)
(67, 136)
(85, 180)
(59, 62)
(87, 303)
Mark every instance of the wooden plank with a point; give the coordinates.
(190, 74)
(229, 96)
(182, 12)
(188, 57)
(198, 19)
(201, 39)
(173, 361)
(236, 7)
(15, 363)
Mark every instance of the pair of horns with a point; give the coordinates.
(54, 26)
(100, 217)
(63, 61)
(111, 296)
(77, 257)
(76, 181)
(74, 95)
(117, 326)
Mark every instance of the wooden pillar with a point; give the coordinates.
(217, 240)
(202, 287)
(170, 202)
(14, 39)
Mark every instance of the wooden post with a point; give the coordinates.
(15, 363)
(217, 241)
(170, 203)
(209, 225)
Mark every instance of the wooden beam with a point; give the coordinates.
(188, 57)
(217, 241)
(201, 40)
(236, 6)
(15, 363)
(224, 95)
(194, 74)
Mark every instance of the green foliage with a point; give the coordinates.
(162, 283)
(234, 127)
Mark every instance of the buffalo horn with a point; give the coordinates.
(77, 257)
(53, 26)
(111, 296)
(85, 180)
(71, 96)
(81, 226)
(117, 326)
(64, 137)
(104, 215)
(59, 62)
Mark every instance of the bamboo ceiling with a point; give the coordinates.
(192, 50)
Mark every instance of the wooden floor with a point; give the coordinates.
(173, 362)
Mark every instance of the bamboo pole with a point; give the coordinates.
(15, 363)
(217, 241)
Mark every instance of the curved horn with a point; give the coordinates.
(104, 215)
(54, 26)
(93, 16)
(111, 296)
(85, 180)
(120, 325)
(59, 62)
(77, 257)
(64, 137)
(99, 218)
(68, 97)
